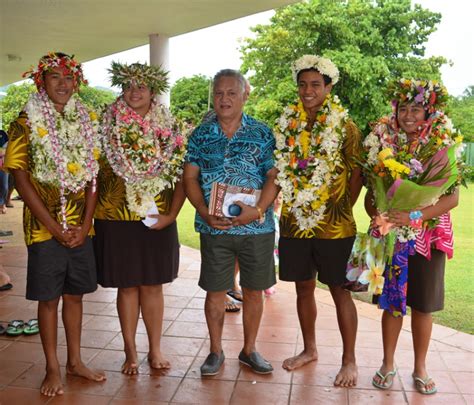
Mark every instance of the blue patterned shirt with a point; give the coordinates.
(242, 160)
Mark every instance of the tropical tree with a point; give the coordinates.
(461, 111)
(371, 42)
(191, 98)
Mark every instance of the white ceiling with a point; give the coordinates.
(91, 29)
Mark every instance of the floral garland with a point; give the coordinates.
(323, 65)
(390, 154)
(307, 161)
(65, 147)
(147, 153)
(56, 60)
(429, 93)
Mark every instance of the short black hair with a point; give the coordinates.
(326, 78)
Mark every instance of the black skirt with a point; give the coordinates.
(128, 254)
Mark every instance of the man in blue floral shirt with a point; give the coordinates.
(235, 149)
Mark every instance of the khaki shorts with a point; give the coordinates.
(253, 252)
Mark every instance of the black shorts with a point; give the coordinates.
(54, 270)
(425, 292)
(303, 259)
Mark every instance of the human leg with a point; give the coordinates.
(421, 326)
(72, 320)
(391, 327)
(128, 308)
(307, 312)
(252, 315)
(48, 322)
(214, 311)
(152, 307)
(347, 321)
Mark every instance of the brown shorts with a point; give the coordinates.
(303, 259)
(426, 282)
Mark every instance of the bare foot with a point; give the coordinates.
(300, 360)
(347, 376)
(130, 367)
(52, 384)
(80, 370)
(158, 361)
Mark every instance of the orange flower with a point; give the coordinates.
(292, 124)
(322, 118)
(293, 160)
(291, 141)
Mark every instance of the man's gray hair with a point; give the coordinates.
(230, 73)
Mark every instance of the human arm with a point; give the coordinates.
(444, 204)
(193, 191)
(177, 202)
(31, 198)
(80, 232)
(269, 192)
(355, 184)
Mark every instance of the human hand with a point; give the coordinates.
(78, 235)
(248, 214)
(220, 223)
(163, 221)
(399, 218)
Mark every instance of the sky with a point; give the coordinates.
(217, 47)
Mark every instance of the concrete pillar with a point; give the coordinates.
(160, 55)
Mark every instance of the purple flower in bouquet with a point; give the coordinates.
(415, 168)
(302, 164)
(420, 97)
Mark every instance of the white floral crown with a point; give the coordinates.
(322, 65)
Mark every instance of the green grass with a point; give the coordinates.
(458, 312)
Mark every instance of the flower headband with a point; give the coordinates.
(429, 93)
(322, 65)
(154, 77)
(56, 60)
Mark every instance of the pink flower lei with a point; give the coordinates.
(121, 122)
(87, 132)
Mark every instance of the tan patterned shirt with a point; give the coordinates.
(18, 156)
(112, 201)
(338, 221)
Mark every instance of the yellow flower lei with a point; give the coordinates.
(307, 161)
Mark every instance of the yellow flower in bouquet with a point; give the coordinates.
(385, 154)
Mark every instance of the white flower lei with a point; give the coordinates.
(153, 162)
(64, 147)
(306, 181)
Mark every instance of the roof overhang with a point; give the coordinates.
(91, 29)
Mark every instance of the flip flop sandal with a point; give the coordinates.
(15, 327)
(232, 305)
(31, 327)
(235, 294)
(383, 378)
(421, 384)
(6, 287)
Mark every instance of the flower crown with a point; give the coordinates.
(322, 65)
(154, 77)
(55, 60)
(430, 93)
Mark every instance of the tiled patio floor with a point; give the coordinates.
(185, 343)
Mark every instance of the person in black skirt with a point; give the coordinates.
(140, 196)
